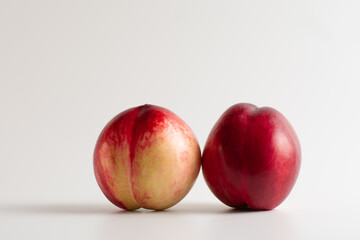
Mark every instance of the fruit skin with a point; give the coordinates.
(251, 158)
(146, 157)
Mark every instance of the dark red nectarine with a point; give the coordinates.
(251, 158)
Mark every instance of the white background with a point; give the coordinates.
(68, 67)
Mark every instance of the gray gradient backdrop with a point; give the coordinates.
(68, 67)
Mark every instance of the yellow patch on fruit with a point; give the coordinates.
(116, 162)
(164, 168)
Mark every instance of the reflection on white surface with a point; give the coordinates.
(184, 221)
(207, 221)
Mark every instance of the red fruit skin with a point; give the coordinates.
(251, 158)
(119, 127)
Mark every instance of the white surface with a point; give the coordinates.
(184, 221)
(67, 67)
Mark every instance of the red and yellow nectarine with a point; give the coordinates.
(146, 157)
